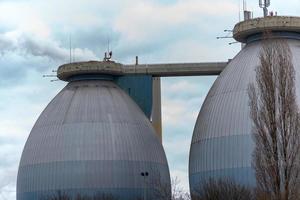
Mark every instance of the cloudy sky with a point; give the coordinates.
(34, 40)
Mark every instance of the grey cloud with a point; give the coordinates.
(52, 50)
(94, 39)
(6, 44)
(14, 68)
(22, 53)
(42, 48)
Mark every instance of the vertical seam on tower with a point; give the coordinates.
(69, 105)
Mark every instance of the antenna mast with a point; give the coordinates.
(70, 40)
(108, 54)
(264, 4)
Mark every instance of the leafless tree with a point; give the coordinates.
(222, 189)
(276, 123)
(178, 192)
(157, 189)
(59, 195)
(162, 191)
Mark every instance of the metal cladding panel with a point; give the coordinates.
(222, 141)
(242, 175)
(87, 174)
(91, 138)
(139, 88)
(100, 194)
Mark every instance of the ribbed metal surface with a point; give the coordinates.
(222, 144)
(91, 138)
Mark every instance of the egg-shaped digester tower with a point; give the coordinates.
(92, 140)
(222, 144)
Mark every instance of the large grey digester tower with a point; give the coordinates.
(222, 144)
(94, 141)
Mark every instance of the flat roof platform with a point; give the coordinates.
(66, 71)
(250, 27)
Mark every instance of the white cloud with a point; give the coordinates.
(145, 20)
(22, 16)
(182, 86)
(196, 50)
(177, 112)
(9, 156)
(181, 102)
(7, 188)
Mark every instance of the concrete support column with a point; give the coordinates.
(156, 107)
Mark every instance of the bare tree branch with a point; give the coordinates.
(222, 189)
(275, 116)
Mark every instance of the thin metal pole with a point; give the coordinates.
(145, 174)
(145, 198)
(70, 40)
(265, 12)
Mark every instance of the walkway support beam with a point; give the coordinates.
(65, 72)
